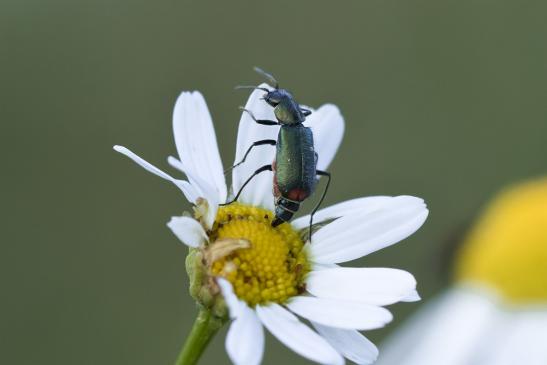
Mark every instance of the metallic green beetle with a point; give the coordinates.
(295, 164)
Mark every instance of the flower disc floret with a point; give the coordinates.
(271, 267)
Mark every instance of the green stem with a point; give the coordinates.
(205, 327)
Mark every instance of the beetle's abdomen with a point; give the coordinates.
(284, 210)
(295, 163)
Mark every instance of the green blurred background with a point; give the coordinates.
(442, 99)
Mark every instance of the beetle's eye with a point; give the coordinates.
(271, 99)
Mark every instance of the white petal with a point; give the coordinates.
(196, 141)
(339, 313)
(245, 338)
(377, 286)
(352, 237)
(232, 301)
(349, 207)
(450, 330)
(412, 297)
(350, 343)
(296, 335)
(327, 125)
(519, 340)
(203, 189)
(259, 190)
(188, 191)
(316, 266)
(188, 230)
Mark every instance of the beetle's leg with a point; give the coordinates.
(259, 121)
(262, 169)
(305, 111)
(328, 175)
(271, 142)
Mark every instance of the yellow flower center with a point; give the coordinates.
(263, 264)
(508, 248)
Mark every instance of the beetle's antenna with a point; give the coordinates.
(268, 76)
(239, 87)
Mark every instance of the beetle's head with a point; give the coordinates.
(276, 96)
(286, 109)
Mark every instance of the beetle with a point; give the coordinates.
(295, 164)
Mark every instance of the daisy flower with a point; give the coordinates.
(496, 311)
(269, 277)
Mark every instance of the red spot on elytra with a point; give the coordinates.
(298, 194)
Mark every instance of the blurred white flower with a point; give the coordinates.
(269, 275)
(496, 312)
